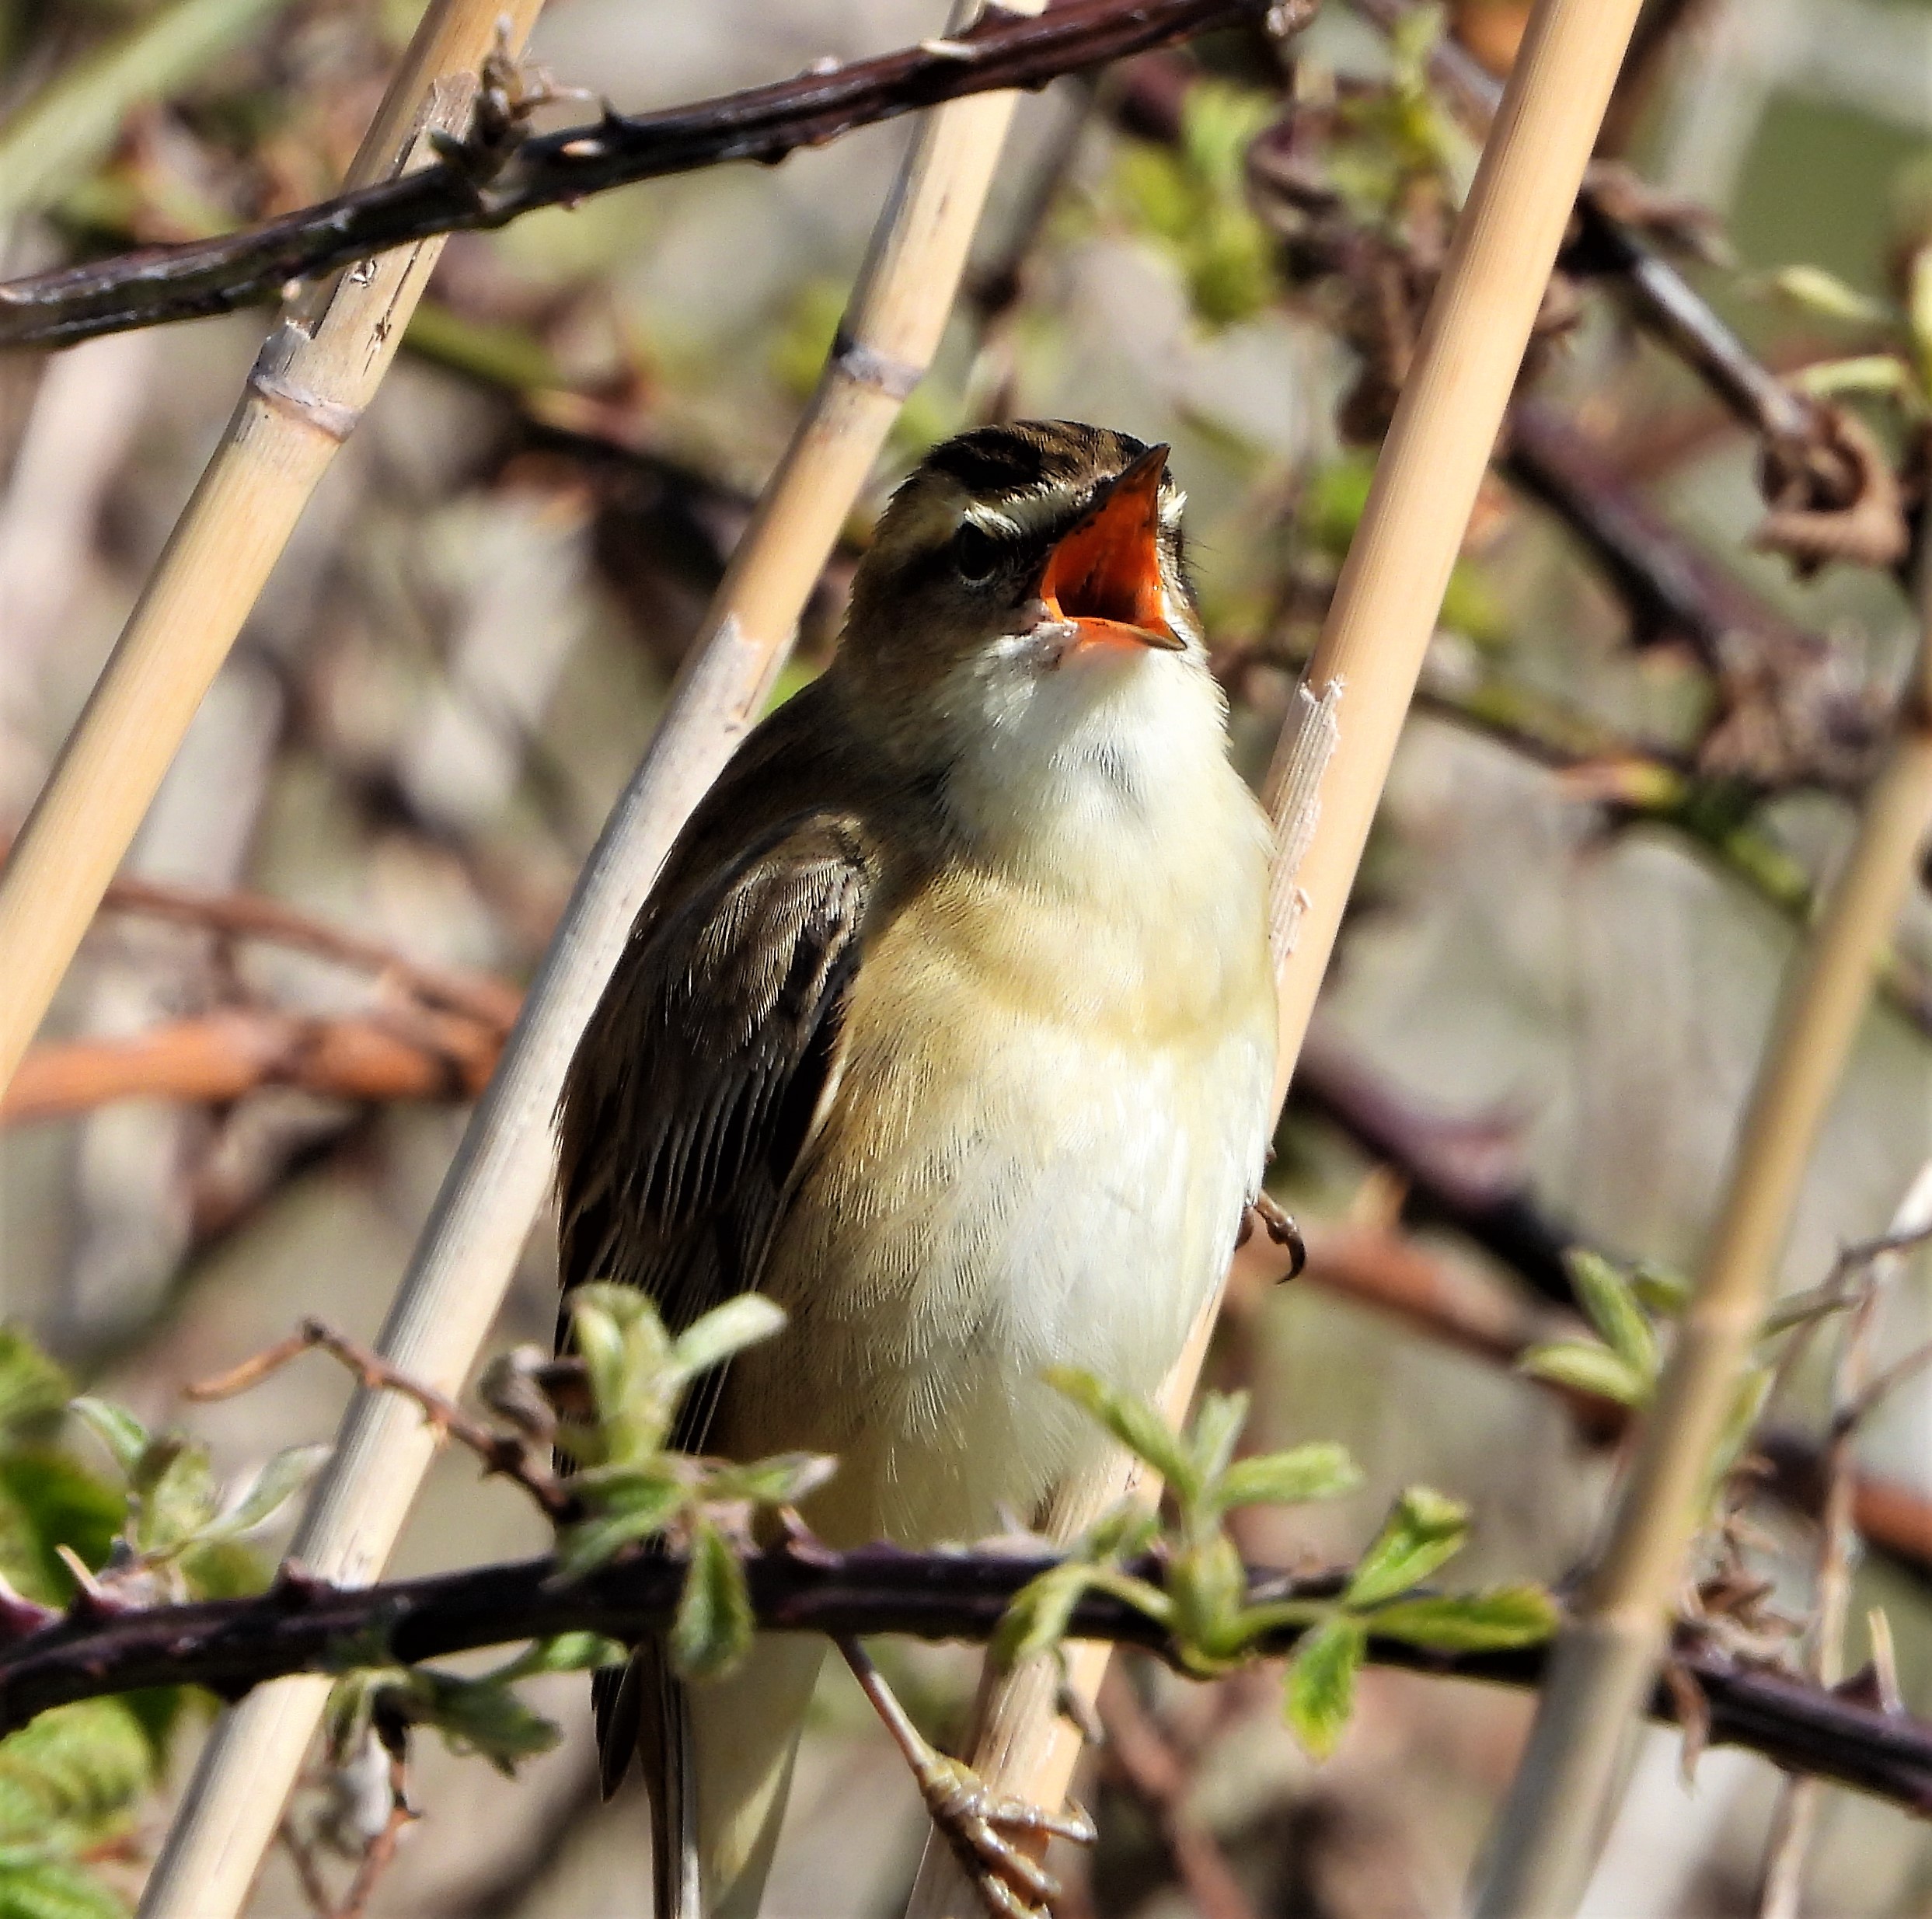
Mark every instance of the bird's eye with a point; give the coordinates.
(975, 553)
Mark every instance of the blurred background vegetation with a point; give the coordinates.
(1544, 1015)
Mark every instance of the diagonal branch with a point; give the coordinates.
(473, 187)
(305, 1625)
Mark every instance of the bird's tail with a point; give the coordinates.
(717, 1759)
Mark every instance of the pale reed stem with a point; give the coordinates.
(1606, 1657)
(468, 1250)
(1341, 737)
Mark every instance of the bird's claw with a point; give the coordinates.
(1280, 1227)
(977, 1822)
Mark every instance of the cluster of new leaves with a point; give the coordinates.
(630, 1490)
(627, 1492)
(71, 1783)
(1202, 1598)
(1625, 1364)
(1896, 365)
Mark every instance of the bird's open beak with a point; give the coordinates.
(1104, 576)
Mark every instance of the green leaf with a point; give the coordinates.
(482, 1716)
(1132, 1527)
(1885, 374)
(1208, 1586)
(1607, 1297)
(1035, 1620)
(1217, 1425)
(711, 1631)
(1424, 1530)
(271, 1489)
(783, 1479)
(624, 1513)
(219, 1569)
(1303, 1472)
(32, 1387)
(35, 1886)
(627, 1355)
(47, 1500)
(73, 1774)
(1319, 1693)
(1587, 1369)
(1659, 1290)
(177, 1501)
(563, 1653)
(1817, 291)
(725, 1329)
(1475, 1622)
(1132, 1421)
(116, 1429)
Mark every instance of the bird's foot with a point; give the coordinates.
(986, 1830)
(1280, 1227)
(982, 1826)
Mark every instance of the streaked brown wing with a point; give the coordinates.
(691, 1096)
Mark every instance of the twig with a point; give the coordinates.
(1853, 1394)
(1606, 1658)
(224, 1056)
(302, 1856)
(1790, 710)
(254, 916)
(503, 1453)
(469, 1249)
(155, 285)
(302, 1625)
(379, 1854)
(1659, 296)
(1340, 739)
(1138, 1750)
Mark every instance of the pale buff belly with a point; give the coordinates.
(996, 1191)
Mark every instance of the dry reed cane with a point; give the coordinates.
(1606, 1659)
(456, 1281)
(1341, 737)
(315, 373)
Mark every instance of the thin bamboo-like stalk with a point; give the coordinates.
(315, 373)
(469, 1251)
(1341, 737)
(1606, 1657)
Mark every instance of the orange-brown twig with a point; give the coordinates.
(222, 1056)
(501, 1452)
(490, 1002)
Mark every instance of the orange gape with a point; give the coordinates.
(1104, 576)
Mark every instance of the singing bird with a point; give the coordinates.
(950, 1026)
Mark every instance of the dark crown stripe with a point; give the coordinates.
(1005, 459)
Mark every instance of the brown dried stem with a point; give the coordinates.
(503, 1453)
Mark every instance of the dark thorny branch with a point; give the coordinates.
(1831, 493)
(487, 182)
(302, 1625)
(1788, 712)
